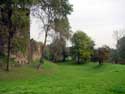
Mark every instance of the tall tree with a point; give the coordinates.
(58, 45)
(49, 11)
(6, 11)
(8, 15)
(82, 47)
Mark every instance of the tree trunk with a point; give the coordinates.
(29, 53)
(100, 61)
(42, 50)
(29, 50)
(10, 33)
(78, 58)
(8, 52)
(64, 56)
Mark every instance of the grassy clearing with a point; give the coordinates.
(64, 79)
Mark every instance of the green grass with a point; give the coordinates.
(64, 79)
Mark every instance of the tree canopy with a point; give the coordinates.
(82, 46)
(52, 13)
(14, 16)
(121, 48)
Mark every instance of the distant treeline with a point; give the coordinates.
(83, 51)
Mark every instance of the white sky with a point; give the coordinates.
(98, 18)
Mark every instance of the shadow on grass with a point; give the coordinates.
(98, 66)
(70, 63)
(119, 89)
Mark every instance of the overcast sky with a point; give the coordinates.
(98, 18)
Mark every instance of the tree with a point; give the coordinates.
(50, 11)
(82, 47)
(118, 35)
(8, 11)
(103, 53)
(56, 49)
(121, 49)
(114, 56)
(58, 45)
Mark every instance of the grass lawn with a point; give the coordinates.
(64, 79)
